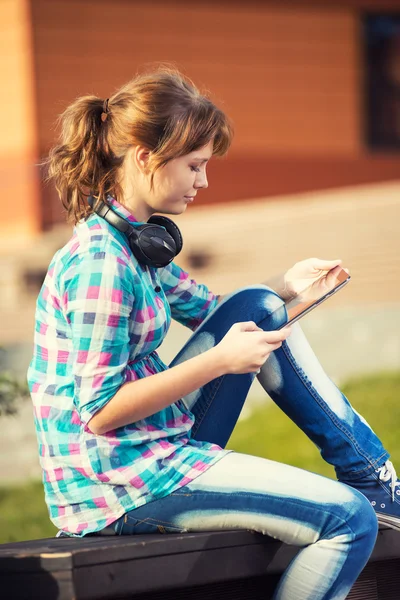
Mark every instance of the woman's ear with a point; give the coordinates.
(140, 157)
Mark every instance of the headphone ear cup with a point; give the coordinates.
(155, 243)
(171, 227)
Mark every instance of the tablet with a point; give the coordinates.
(306, 301)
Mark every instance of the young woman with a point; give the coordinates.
(131, 445)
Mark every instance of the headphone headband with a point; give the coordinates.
(155, 243)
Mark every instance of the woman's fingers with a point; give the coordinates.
(326, 265)
(334, 273)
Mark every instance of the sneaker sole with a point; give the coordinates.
(388, 521)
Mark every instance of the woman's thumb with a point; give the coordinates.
(249, 326)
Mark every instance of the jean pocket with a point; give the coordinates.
(133, 526)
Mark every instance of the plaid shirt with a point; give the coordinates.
(98, 325)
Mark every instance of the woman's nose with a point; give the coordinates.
(201, 181)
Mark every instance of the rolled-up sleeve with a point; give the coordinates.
(190, 302)
(98, 297)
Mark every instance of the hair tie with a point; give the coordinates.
(106, 110)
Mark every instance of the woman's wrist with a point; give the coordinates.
(216, 363)
(279, 284)
(287, 292)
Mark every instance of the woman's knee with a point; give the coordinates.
(364, 521)
(257, 303)
(356, 516)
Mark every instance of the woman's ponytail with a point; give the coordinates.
(82, 161)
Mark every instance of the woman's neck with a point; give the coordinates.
(132, 201)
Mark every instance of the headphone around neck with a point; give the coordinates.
(155, 243)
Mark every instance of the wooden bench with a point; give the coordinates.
(234, 565)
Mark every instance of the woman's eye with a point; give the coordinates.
(196, 169)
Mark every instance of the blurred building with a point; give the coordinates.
(312, 88)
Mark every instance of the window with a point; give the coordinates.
(382, 43)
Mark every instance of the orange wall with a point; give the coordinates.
(18, 144)
(289, 75)
(288, 78)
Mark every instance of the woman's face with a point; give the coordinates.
(174, 186)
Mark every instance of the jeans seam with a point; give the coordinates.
(160, 524)
(199, 417)
(138, 522)
(152, 521)
(331, 414)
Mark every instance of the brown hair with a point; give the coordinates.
(162, 111)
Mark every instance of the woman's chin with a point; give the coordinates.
(173, 208)
(179, 208)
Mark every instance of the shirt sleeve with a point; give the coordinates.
(190, 302)
(97, 297)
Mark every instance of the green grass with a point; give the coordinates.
(267, 433)
(23, 513)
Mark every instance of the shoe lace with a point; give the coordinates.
(386, 472)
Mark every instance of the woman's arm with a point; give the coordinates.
(190, 302)
(98, 297)
(144, 397)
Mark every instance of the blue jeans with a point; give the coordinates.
(333, 522)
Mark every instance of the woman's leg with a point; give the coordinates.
(335, 523)
(295, 380)
(217, 405)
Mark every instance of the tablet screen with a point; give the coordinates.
(309, 299)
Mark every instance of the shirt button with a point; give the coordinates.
(157, 288)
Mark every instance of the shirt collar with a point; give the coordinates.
(121, 210)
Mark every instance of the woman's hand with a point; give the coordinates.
(315, 272)
(246, 347)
